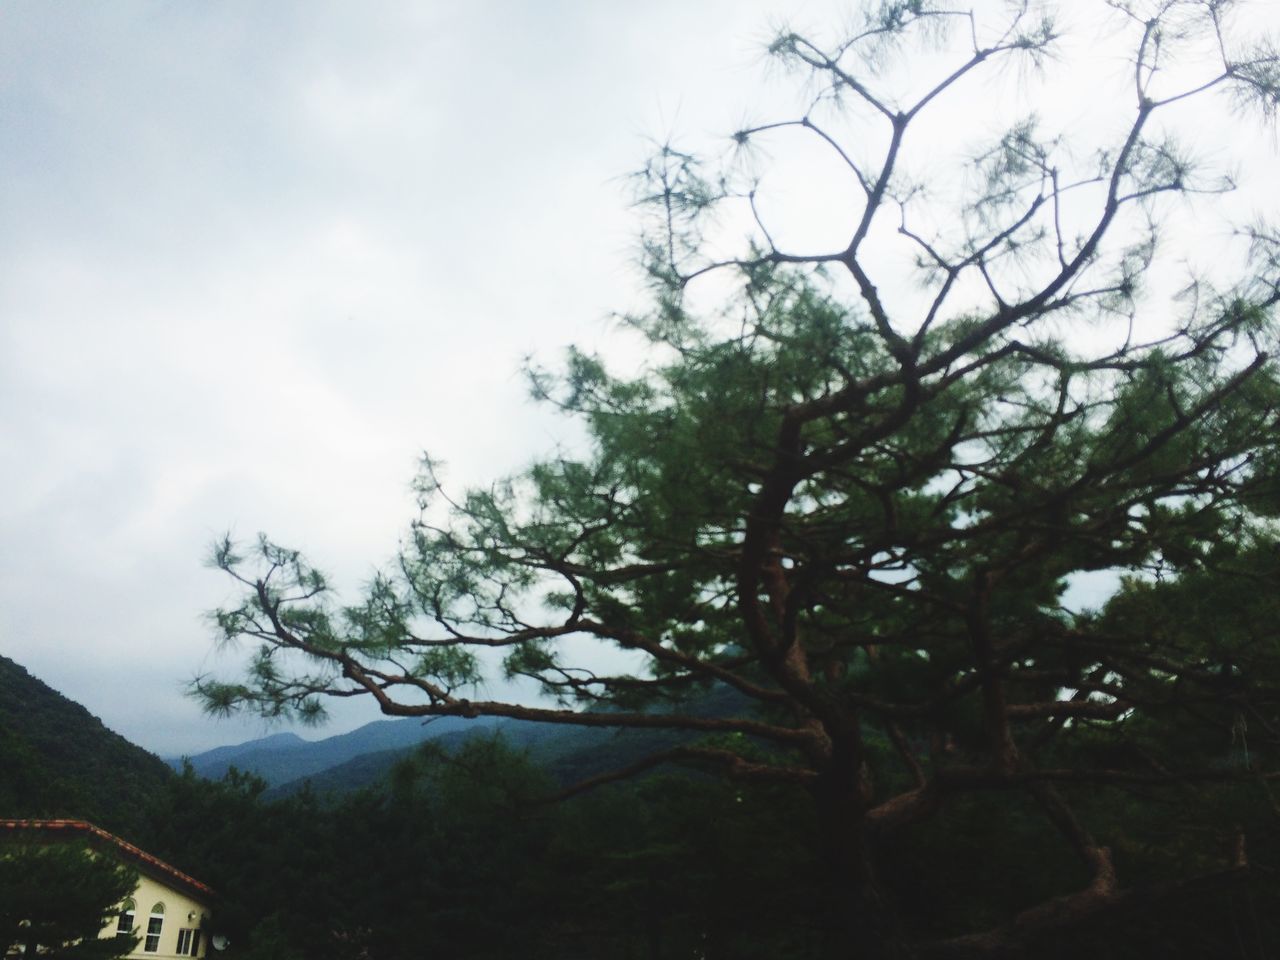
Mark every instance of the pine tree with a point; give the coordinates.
(855, 494)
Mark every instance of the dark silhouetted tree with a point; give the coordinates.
(56, 899)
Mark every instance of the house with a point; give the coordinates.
(169, 911)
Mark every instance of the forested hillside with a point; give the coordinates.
(59, 760)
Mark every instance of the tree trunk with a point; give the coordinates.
(860, 923)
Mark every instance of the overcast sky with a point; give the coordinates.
(256, 257)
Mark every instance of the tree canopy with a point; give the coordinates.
(55, 899)
(856, 488)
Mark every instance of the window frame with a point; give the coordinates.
(124, 923)
(155, 927)
(188, 941)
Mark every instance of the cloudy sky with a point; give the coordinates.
(256, 257)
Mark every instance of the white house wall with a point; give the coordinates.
(180, 911)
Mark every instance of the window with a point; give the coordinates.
(124, 926)
(188, 942)
(154, 924)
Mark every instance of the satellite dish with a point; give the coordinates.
(219, 942)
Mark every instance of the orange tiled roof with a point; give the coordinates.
(86, 829)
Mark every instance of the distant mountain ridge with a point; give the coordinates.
(285, 757)
(214, 763)
(364, 757)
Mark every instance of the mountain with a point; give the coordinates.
(286, 757)
(58, 760)
(569, 753)
(364, 757)
(212, 764)
(368, 769)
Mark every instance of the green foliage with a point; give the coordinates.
(461, 844)
(56, 899)
(687, 866)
